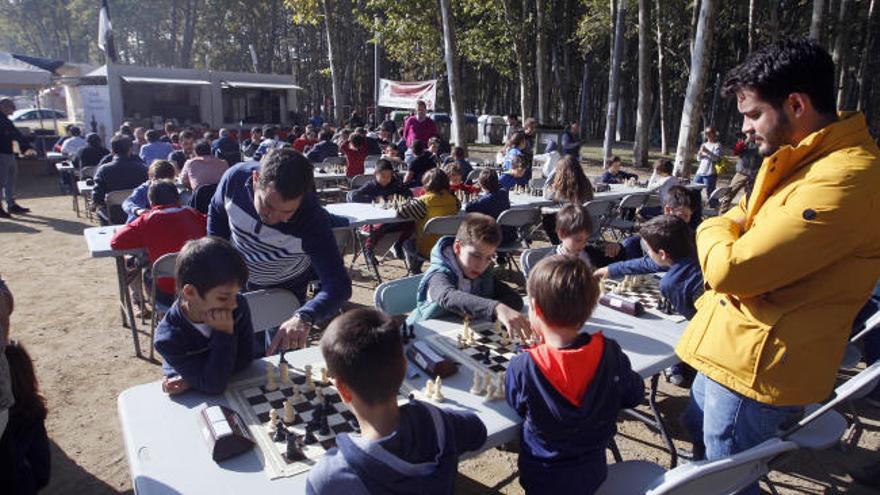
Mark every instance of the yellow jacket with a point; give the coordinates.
(424, 208)
(782, 293)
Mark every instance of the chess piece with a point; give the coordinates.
(285, 373)
(477, 387)
(319, 396)
(438, 390)
(499, 390)
(294, 453)
(429, 388)
(271, 386)
(310, 439)
(273, 417)
(297, 393)
(324, 378)
(289, 414)
(460, 342)
(504, 340)
(280, 431)
(490, 392)
(310, 385)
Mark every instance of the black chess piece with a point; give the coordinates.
(294, 452)
(310, 437)
(325, 426)
(280, 431)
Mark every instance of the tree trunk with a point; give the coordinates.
(614, 82)
(643, 124)
(751, 26)
(191, 16)
(774, 20)
(695, 17)
(458, 130)
(335, 69)
(690, 115)
(816, 21)
(664, 145)
(839, 55)
(520, 48)
(541, 64)
(864, 65)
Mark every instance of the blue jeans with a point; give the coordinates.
(722, 422)
(710, 181)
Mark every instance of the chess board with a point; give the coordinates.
(646, 292)
(253, 402)
(487, 354)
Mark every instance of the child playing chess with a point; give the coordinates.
(574, 227)
(570, 388)
(207, 334)
(456, 179)
(460, 280)
(517, 175)
(437, 201)
(613, 175)
(412, 448)
(493, 201)
(384, 185)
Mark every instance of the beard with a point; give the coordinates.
(775, 137)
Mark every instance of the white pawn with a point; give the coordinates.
(477, 388)
(285, 373)
(273, 418)
(310, 385)
(490, 392)
(429, 388)
(460, 341)
(499, 390)
(319, 396)
(289, 415)
(438, 390)
(324, 377)
(271, 386)
(297, 393)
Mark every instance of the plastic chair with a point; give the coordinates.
(270, 307)
(447, 225)
(852, 355)
(113, 213)
(358, 181)
(397, 297)
(520, 219)
(621, 225)
(162, 267)
(600, 211)
(720, 477)
(530, 257)
(474, 175)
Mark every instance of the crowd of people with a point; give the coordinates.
(771, 288)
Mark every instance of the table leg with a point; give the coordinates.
(125, 303)
(656, 422)
(375, 265)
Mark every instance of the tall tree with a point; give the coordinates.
(751, 26)
(614, 81)
(841, 41)
(693, 100)
(458, 130)
(335, 65)
(816, 20)
(643, 124)
(864, 64)
(518, 27)
(541, 59)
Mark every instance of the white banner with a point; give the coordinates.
(398, 94)
(96, 112)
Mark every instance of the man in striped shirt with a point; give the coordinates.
(271, 214)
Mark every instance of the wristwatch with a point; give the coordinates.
(304, 317)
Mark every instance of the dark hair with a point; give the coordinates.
(126, 130)
(29, 402)
(163, 192)
(93, 139)
(187, 134)
(663, 165)
(209, 262)
(435, 180)
(573, 218)
(363, 349)
(326, 135)
(288, 172)
(453, 168)
(268, 131)
(785, 67)
(565, 290)
(458, 153)
(488, 180)
(678, 197)
(177, 158)
(516, 139)
(203, 148)
(74, 130)
(256, 130)
(161, 169)
(383, 164)
(120, 145)
(418, 147)
(614, 159)
(434, 140)
(671, 234)
(570, 183)
(152, 136)
(358, 140)
(477, 227)
(298, 130)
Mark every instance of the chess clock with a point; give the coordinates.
(432, 362)
(225, 432)
(622, 304)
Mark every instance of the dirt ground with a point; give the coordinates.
(66, 314)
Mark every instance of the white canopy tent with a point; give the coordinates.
(15, 74)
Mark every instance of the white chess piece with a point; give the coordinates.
(289, 415)
(460, 342)
(490, 392)
(499, 390)
(429, 388)
(273, 417)
(438, 390)
(319, 396)
(271, 386)
(285, 373)
(324, 377)
(310, 384)
(297, 393)
(477, 388)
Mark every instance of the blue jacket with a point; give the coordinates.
(682, 285)
(609, 178)
(493, 204)
(508, 181)
(139, 200)
(571, 145)
(285, 254)
(570, 413)
(117, 175)
(372, 190)
(155, 151)
(419, 458)
(224, 145)
(322, 150)
(206, 363)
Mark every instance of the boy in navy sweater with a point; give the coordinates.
(385, 185)
(493, 201)
(614, 175)
(207, 334)
(412, 448)
(570, 388)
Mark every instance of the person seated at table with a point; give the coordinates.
(434, 149)
(270, 141)
(203, 170)
(456, 179)
(567, 184)
(155, 149)
(384, 186)
(630, 258)
(74, 143)
(513, 150)
(412, 448)
(421, 163)
(614, 175)
(163, 229)
(461, 282)
(355, 151)
(121, 173)
(574, 227)
(437, 201)
(459, 156)
(493, 201)
(91, 154)
(570, 388)
(139, 201)
(249, 146)
(24, 448)
(516, 176)
(660, 182)
(207, 334)
(306, 141)
(324, 149)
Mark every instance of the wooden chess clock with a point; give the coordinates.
(622, 304)
(225, 432)
(431, 361)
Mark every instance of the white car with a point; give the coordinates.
(28, 120)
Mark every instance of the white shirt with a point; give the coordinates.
(707, 162)
(72, 145)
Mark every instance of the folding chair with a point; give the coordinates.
(85, 173)
(852, 355)
(270, 307)
(715, 197)
(113, 213)
(600, 211)
(359, 180)
(474, 175)
(530, 257)
(441, 226)
(620, 225)
(162, 267)
(397, 297)
(720, 477)
(520, 219)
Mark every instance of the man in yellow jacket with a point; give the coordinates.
(788, 269)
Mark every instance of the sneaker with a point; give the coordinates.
(18, 209)
(4, 213)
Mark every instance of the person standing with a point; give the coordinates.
(747, 164)
(784, 271)
(8, 163)
(571, 141)
(709, 155)
(419, 126)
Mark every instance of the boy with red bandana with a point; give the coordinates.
(569, 388)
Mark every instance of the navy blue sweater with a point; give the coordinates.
(609, 178)
(682, 285)
(372, 190)
(281, 255)
(117, 175)
(322, 150)
(493, 204)
(205, 363)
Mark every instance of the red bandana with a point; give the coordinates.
(570, 371)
